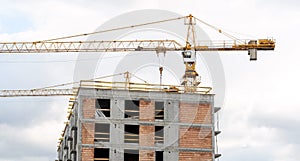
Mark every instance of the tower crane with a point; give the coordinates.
(190, 79)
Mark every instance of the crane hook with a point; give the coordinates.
(160, 72)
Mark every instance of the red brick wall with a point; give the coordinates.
(146, 139)
(195, 156)
(87, 154)
(88, 131)
(195, 138)
(88, 108)
(147, 110)
(146, 155)
(146, 135)
(195, 113)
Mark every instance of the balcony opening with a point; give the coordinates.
(132, 109)
(131, 134)
(131, 155)
(159, 134)
(102, 132)
(159, 110)
(159, 156)
(101, 154)
(103, 107)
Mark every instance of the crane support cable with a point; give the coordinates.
(144, 81)
(115, 29)
(97, 78)
(78, 82)
(219, 30)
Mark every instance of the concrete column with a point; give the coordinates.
(117, 108)
(116, 130)
(116, 154)
(171, 130)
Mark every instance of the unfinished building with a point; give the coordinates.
(146, 124)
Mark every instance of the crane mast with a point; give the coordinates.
(190, 79)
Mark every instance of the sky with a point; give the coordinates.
(259, 117)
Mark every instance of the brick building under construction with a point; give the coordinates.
(139, 123)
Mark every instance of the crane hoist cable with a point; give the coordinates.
(161, 62)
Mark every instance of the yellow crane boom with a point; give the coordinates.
(36, 92)
(189, 49)
(132, 45)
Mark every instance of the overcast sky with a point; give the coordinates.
(259, 118)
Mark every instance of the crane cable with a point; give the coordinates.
(70, 83)
(161, 62)
(114, 29)
(219, 30)
(93, 79)
(144, 24)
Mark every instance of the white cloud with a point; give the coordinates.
(32, 135)
(287, 152)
